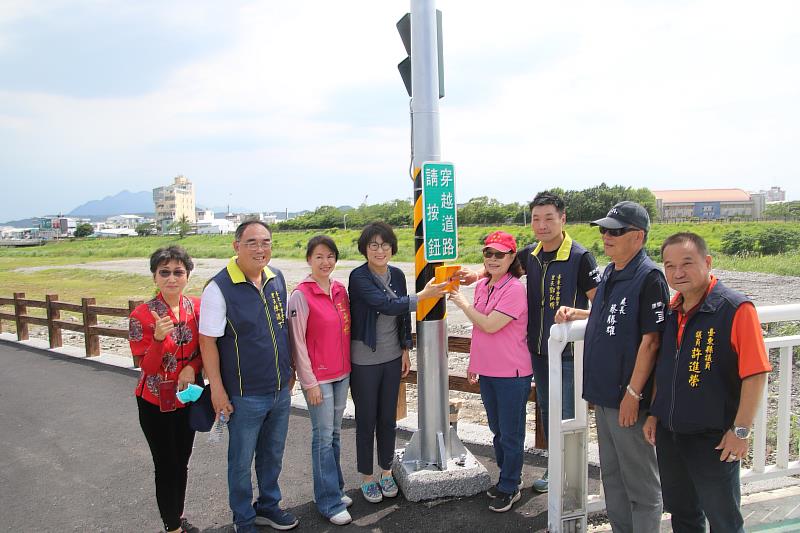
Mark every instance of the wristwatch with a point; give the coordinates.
(741, 432)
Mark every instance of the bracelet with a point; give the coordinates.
(633, 393)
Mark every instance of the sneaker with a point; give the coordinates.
(503, 501)
(248, 528)
(276, 518)
(347, 500)
(371, 492)
(494, 492)
(540, 485)
(187, 527)
(388, 486)
(340, 519)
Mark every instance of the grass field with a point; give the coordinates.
(117, 288)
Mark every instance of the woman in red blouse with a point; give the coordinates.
(163, 335)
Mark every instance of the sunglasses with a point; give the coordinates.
(497, 255)
(165, 273)
(616, 232)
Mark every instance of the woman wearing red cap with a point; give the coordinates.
(499, 359)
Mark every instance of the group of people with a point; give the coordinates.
(675, 383)
(252, 340)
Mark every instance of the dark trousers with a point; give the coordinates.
(170, 440)
(374, 391)
(505, 401)
(696, 485)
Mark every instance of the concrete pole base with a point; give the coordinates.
(464, 476)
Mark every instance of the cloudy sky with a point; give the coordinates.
(274, 105)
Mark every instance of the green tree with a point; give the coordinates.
(84, 230)
(145, 229)
(182, 226)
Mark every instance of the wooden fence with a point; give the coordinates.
(92, 332)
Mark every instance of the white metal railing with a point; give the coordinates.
(568, 499)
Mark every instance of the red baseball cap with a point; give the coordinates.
(500, 241)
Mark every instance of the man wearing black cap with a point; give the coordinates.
(623, 335)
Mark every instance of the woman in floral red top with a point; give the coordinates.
(163, 335)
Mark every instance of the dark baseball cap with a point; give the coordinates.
(625, 214)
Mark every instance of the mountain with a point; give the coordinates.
(122, 203)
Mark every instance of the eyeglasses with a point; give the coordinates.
(497, 255)
(257, 245)
(165, 273)
(616, 232)
(385, 246)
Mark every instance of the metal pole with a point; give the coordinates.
(433, 443)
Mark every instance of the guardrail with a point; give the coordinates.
(92, 332)
(568, 499)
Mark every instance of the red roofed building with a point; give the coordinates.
(708, 204)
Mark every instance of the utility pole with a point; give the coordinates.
(449, 469)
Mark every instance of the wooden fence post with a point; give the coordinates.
(133, 304)
(53, 331)
(20, 311)
(402, 405)
(91, 341)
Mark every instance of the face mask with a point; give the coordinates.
(190, 393)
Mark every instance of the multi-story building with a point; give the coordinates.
(709, 204)
(774, 194)
(173, 202)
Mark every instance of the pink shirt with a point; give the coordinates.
(502, 354)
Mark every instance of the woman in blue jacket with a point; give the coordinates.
(380, 307)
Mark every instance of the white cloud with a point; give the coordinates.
(538, 94)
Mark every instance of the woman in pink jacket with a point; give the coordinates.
(319, 331)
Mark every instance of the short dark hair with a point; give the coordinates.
(171, 253)
(323, 240)
(243, 226)
(686, 236)
(547, 198)
(377, 229)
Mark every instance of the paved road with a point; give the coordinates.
(73, 458)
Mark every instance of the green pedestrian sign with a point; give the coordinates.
(439, 224)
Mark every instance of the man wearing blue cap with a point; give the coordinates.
(623, 335)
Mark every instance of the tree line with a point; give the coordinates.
(582, 205)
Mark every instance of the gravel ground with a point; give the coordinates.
(763, 289)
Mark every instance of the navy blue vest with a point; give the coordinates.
(613, 334)
(698, 384)
(254, 355)
(549, 287)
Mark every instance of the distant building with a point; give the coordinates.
(54, 227)
(774, 194)
(173, 202)
(709, 204)
(125, 221)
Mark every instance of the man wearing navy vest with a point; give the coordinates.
(245, 348)
(622, 338)
(559, 272)
(710, 377)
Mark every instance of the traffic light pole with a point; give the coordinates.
(435, 463)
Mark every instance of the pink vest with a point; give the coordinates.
(328, 330)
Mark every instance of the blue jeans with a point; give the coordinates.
(505, 400)
(326, 428)
(258, 426)
(696, 485)
(541, 376)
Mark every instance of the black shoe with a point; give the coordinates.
(187, 527)
(276, 518)
(503, 501)
(494, 492)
